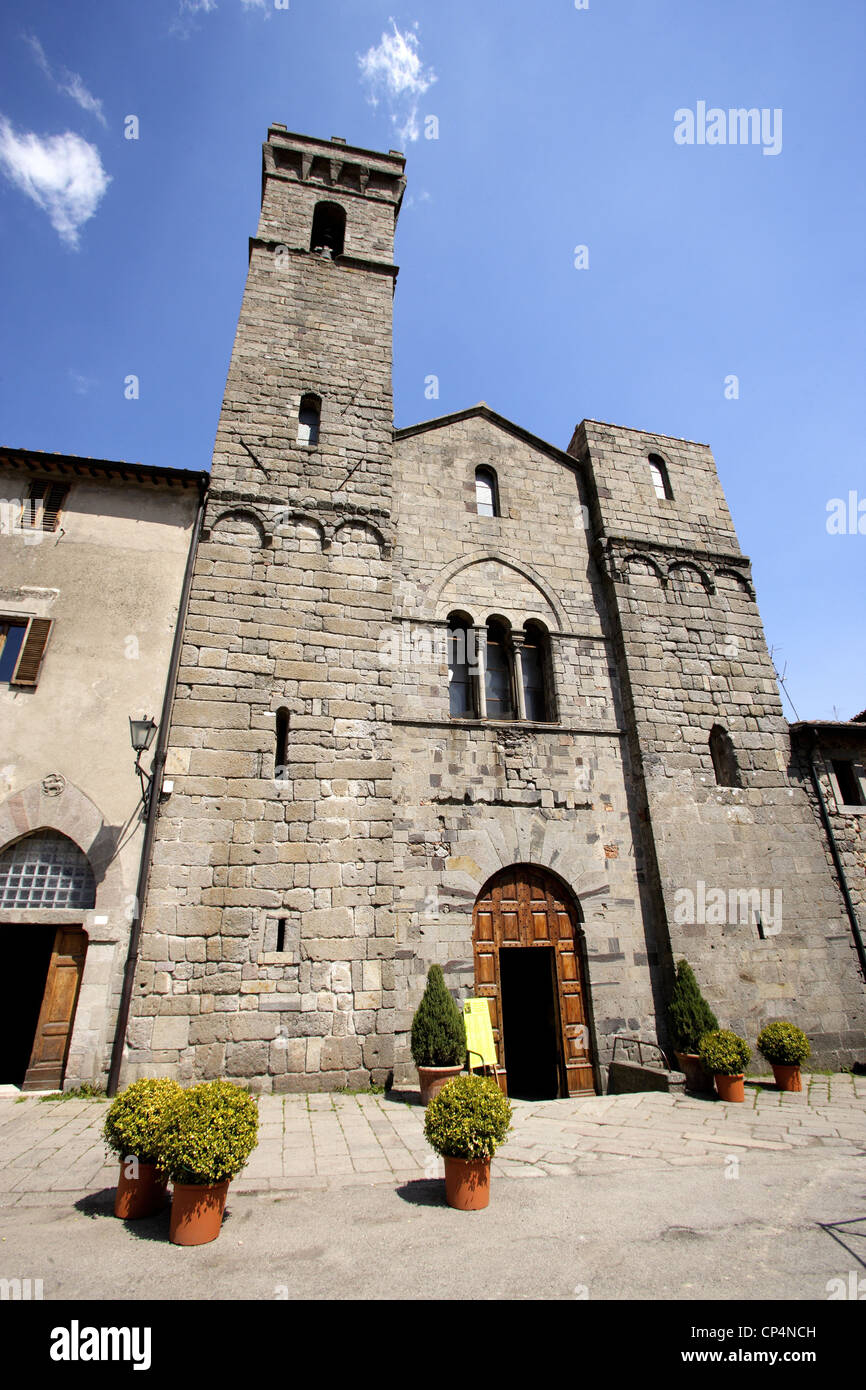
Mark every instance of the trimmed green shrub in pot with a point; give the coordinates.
(438, 1032)
(469, 1118)
(724, 1053)
(133, 1131)
(783, 1044)
(137, 1117)
(209, 1134)
(689, 1014)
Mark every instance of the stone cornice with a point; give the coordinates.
(345, 262)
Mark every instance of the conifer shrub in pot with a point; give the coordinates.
(207, 1139)
(689, 1018)
(785, 1047)
(466, 1122)
(438, 1036)
(132, 1131)
(725, 1055)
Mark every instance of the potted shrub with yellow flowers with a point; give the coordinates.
(132, 1131)
(785, 1047)
(725, 1055)
(438, 1038)
(206, 1141)
(465, 1123)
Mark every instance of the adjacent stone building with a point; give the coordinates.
(93, 557)
(453, 694)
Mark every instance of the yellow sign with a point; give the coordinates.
(479, 1033)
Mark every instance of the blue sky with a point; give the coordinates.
(556, 130)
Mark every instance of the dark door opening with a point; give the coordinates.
(530, 1026)
(26, 955)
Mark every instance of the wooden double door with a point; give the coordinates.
(528, 965)
(45, 966)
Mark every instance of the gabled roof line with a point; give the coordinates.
(482, 410)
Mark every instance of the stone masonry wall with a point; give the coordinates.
(268, 939)
(692, 654)
(474, 796)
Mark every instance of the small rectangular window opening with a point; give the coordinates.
(848, 782)
(281, 934)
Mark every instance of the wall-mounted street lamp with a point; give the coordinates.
(141, 732)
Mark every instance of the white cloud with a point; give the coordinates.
(182, 23)
(76, 89)
(393, 70)
(81, 384)
(255, 4)
(71, 84)
(63, 175)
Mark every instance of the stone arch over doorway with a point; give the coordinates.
(530, 965)
(78, 948)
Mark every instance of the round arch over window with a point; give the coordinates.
(536, 673)
(45, 870)
(486, 492)
(462, 667)
(329, 230)
(309, 418)
(659, 474)
(498, 681)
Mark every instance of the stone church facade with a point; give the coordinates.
(452, 694)
(442, 694)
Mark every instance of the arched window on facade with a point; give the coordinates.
(486, 492)
(329, 230)
(461, 664)
(309, 417)
(536, 672)
(45, 870)
(724, 758)
(659, 474)
(498, 682)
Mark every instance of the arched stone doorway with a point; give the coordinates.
(46, 883)
(528, 963)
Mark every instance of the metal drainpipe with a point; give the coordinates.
(157, 769)
(837, 858)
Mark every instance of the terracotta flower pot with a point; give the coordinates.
(467, 1183)
(140, 1196)
(787, 1076)
(697, 1078)
(432, 1079)
(731, 1088)
(197, 1212)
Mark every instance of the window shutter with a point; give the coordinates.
(27, 670)
(55, 496)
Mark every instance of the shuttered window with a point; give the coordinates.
(43, 505)
(22, 650)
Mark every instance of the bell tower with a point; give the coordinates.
(267, 944)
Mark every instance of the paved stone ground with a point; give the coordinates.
(51, 1149)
